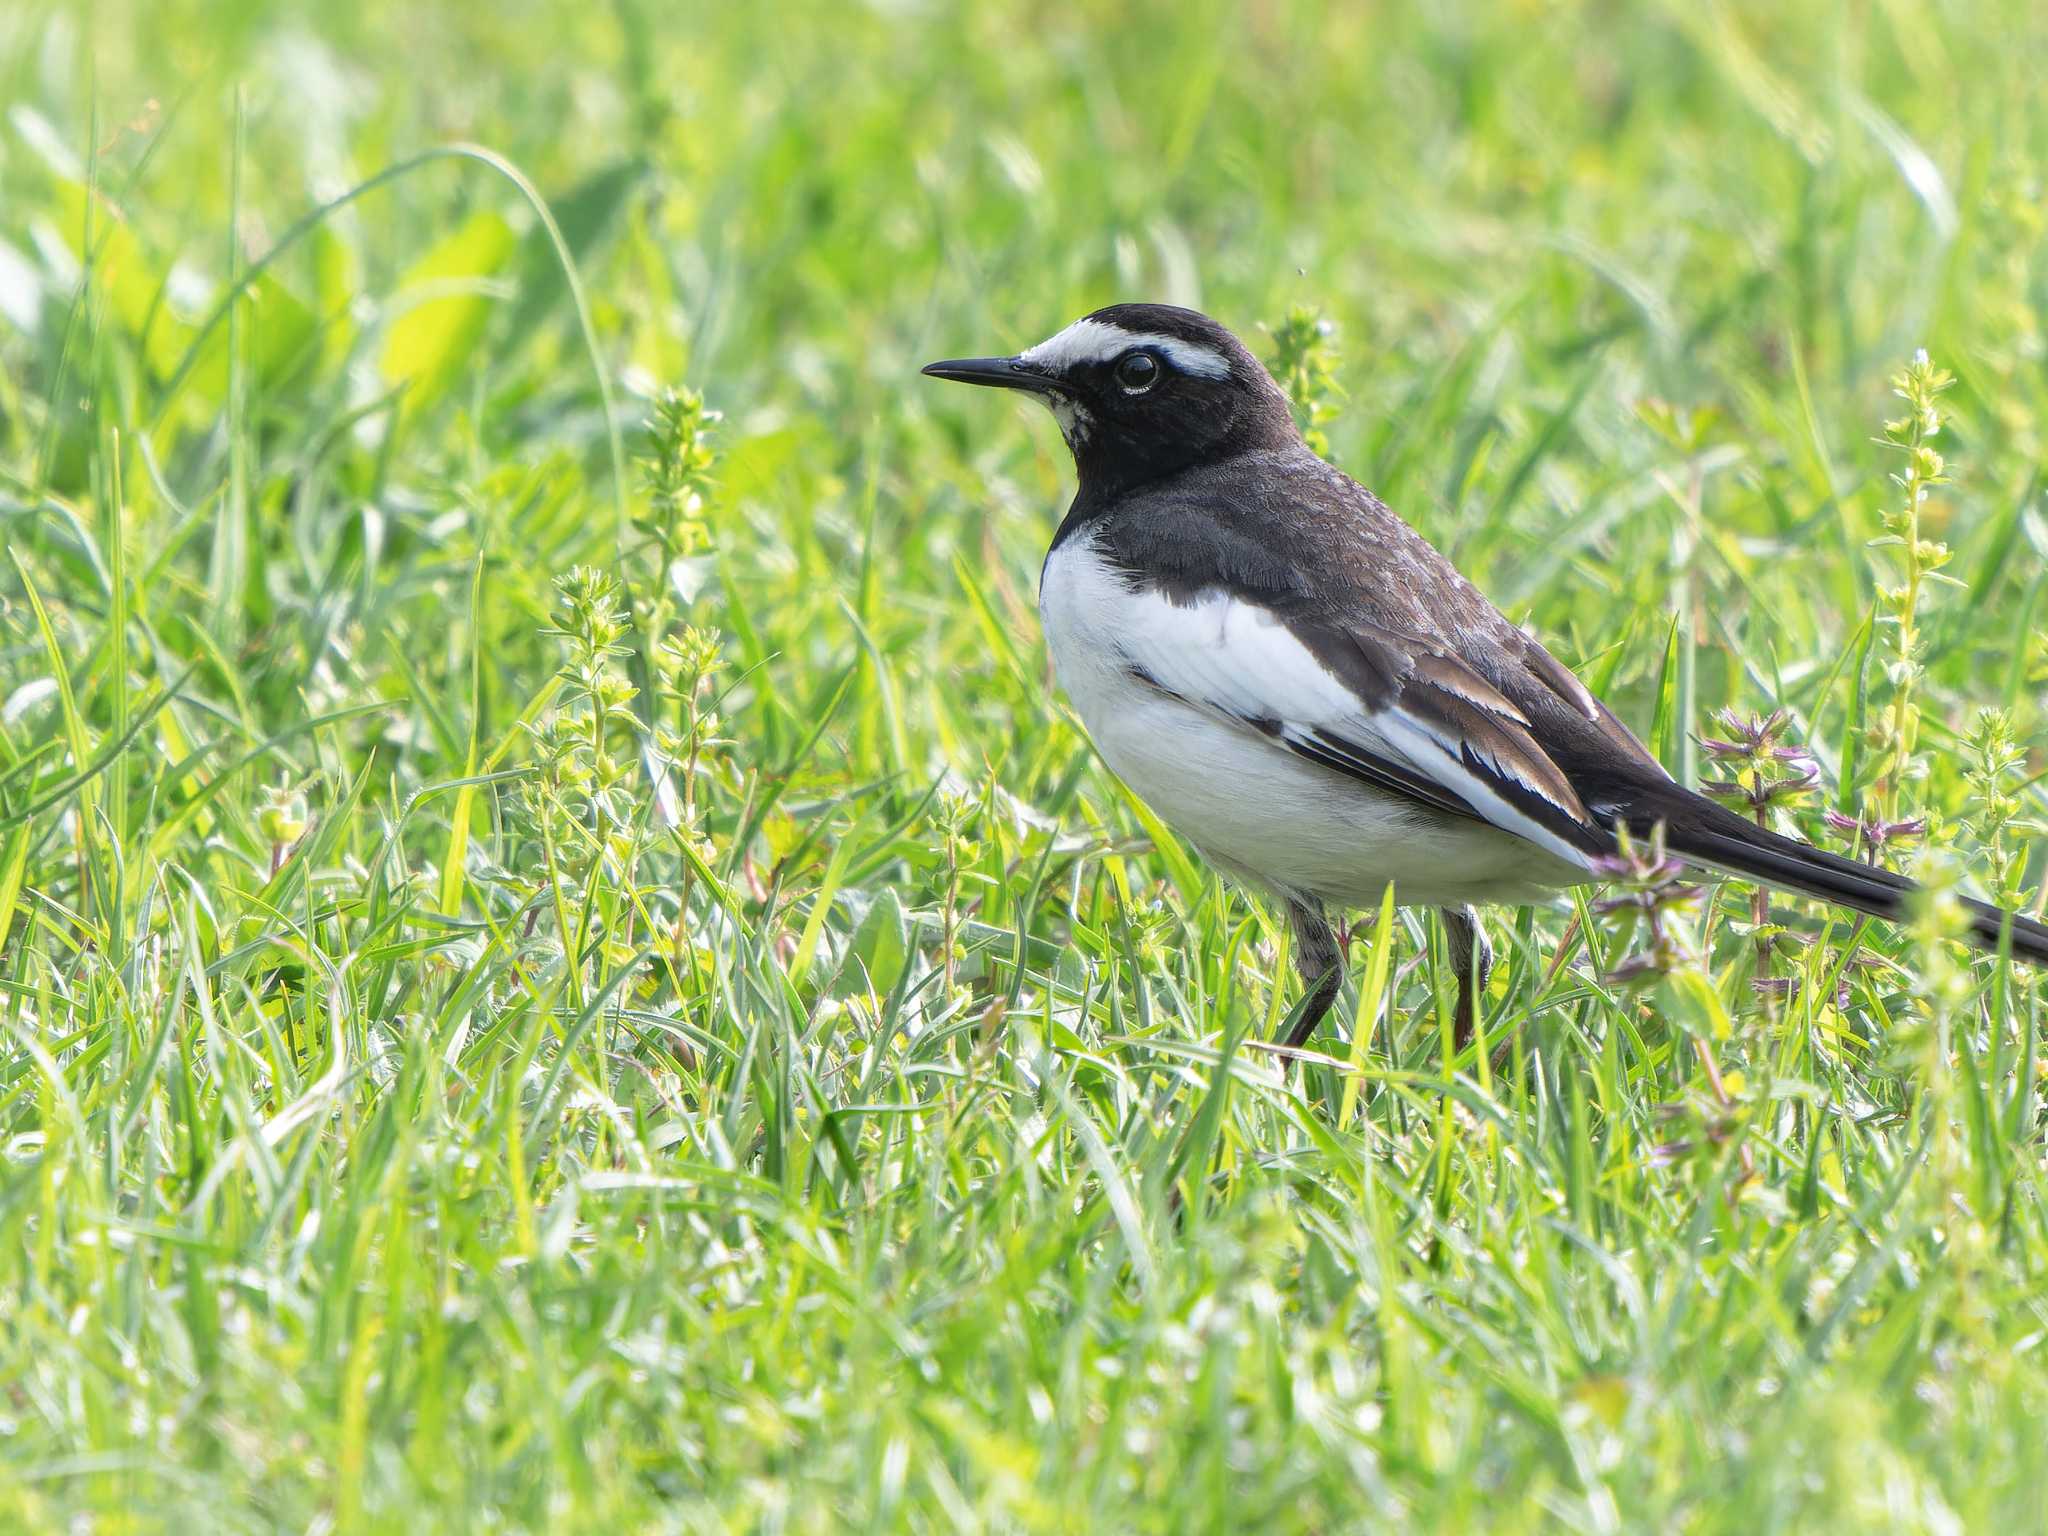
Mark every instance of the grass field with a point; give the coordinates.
(562, 966)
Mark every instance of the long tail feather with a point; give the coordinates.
(1698, 829)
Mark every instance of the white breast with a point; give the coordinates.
(1250, 805)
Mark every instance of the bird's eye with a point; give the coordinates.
(1137, 372)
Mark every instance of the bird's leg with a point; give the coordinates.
(1320, 959)
(1472, 959)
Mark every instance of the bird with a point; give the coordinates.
(1304, 688)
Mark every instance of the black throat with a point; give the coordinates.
(1109, 466)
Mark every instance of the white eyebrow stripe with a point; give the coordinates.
(1097, 341)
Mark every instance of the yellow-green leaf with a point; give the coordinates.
(1369, 997)
(13, 864)
(434, 339)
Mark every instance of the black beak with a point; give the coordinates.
(996, 372)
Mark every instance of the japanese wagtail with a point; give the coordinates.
(1296, 681)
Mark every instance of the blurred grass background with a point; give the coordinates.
(376, 1161)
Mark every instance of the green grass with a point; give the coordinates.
(410, 1120)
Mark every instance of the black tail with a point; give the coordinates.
(1698, 829)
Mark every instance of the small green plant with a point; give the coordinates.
(1649, 891)
(953, 817)
(686, 666)
(589, 740)
(1916, 561)
(677, 480)
(1769, 773)
(1305, 363)
(1996, 761)
(581, 795)
(676, 474)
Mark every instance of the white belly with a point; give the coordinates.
(1249, 804)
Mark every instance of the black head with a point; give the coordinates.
(1142, 390)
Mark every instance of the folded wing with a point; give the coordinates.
(1392, 712)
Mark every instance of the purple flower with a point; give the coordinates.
(1628, 865)
(1754, 735)
(1760, 793)
(1660, 899)
(1876, 832)
(1766, 769)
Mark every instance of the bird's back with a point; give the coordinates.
(1240, 526)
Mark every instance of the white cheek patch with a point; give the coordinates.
(1097, 341)
(1074, 422)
